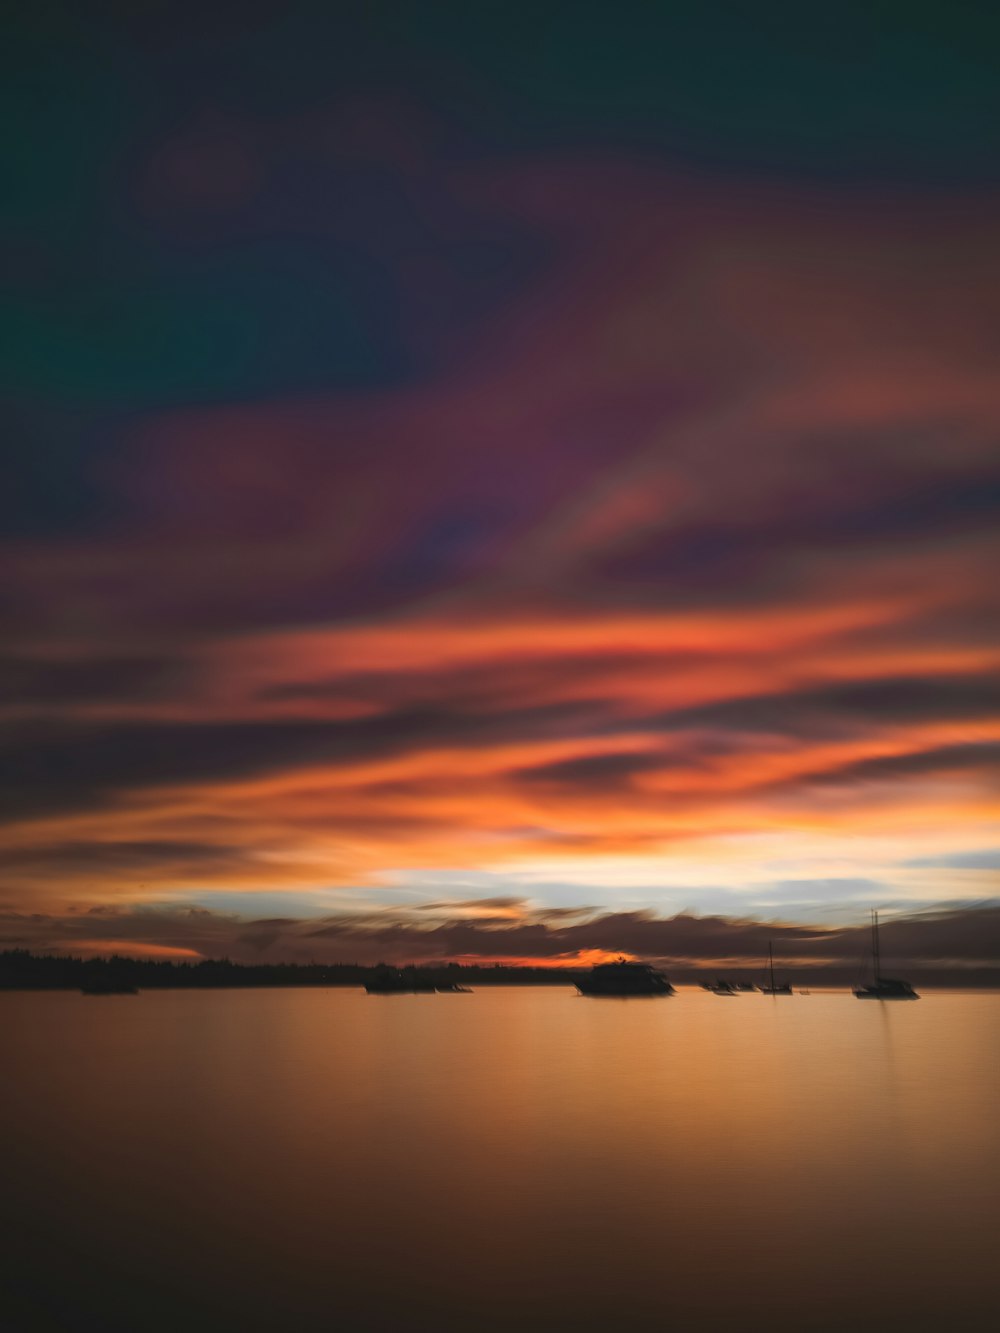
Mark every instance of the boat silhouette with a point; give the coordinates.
(720, 987)
(883, 988)
(622, 978)
(400, 981)
(772, 987)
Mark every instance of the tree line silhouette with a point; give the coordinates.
(22, 970)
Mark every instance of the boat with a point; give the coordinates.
(623, 978)
(773, 987)
(721, 988)
(453, 988)
(400, 981)
(883, 988)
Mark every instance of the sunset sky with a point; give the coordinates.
(491, 483)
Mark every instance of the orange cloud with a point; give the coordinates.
(693, 544)
(89, 948)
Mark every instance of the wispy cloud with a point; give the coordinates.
(691, 543)
(514, 930)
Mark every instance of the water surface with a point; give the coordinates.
(513, 1159)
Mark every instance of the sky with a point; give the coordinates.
(491, 483)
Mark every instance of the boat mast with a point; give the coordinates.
(875, 953)
(770, 961)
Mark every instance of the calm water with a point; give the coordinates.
(512, 1159)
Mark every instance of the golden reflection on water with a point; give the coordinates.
(520, 1158)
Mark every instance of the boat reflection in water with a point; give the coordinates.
(624, 978)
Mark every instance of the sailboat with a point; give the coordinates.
(772, 987)
(883, 988)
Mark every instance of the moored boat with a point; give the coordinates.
(773, 987)
(624, 978)
(399, 981)
(887, 988)
(883, 988)
(721, 988)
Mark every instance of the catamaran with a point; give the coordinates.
(883, 988)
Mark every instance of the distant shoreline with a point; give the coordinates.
(21, 970)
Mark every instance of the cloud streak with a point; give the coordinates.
(685, 552)
(944, 941)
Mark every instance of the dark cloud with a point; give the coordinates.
(650, 82)
(603, 771)
(934, 938)
(833, 710)
(50, 767)
(972, 935)
(859, 510)
(486, 685)
(981, 757)
(87, 679)
(558, 914)
(52, 484)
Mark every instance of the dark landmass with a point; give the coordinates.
(21, 970)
